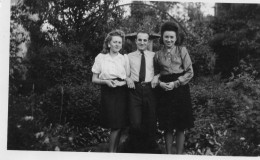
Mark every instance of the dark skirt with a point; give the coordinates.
(175, 108)
(113, 112)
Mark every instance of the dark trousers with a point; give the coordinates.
(142, 106)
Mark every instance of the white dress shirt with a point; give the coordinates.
(135, 63)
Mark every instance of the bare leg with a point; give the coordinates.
(168, 135)
(180, 138)
(117, 140)
(113, 140)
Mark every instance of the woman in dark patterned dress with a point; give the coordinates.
(175, 68)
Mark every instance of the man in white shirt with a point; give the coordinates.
(142, 100)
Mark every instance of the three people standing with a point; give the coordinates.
(116, 72)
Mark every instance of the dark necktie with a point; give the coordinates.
(142, 68)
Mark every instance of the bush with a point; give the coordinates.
(69, 138)
(65, 64)
(227, 117)
(77, 105)
(25, 117)
(245, 132)
(60, 119)
(197, 42)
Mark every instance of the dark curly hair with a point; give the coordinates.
(116, 32)
(171, 26)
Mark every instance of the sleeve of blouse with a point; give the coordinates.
(127, 65)
(156, 63)
(187, 66)
(96, 68)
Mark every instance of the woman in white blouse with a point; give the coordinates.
(110, 70)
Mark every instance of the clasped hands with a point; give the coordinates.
(115, 83)
(169, 85)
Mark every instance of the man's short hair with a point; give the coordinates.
(144, 33)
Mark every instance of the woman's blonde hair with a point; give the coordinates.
(116, 32)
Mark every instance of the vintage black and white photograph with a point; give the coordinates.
(134, 77)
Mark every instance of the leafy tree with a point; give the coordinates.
(149, 16)
(79, 21)
(71, 23)
(236, 29)
(194, 11)
(198, 39)
(18, 37)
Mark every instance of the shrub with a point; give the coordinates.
(24, 118)
(65, 64)
(227, 117)
(60, 119)
(69, 138)
(245, 132)
(77, 104)
(197, 42)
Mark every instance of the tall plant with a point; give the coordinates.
(236, 29)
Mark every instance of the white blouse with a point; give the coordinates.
(108, 67)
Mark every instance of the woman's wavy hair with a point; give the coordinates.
(108, 38)
(171, 26)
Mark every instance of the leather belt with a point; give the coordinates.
(143, 83)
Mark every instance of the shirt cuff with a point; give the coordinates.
(181, 80)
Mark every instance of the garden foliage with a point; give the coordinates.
(53, 105)
(227, 117)
(236, 35)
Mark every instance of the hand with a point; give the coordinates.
(164, 86)
(177, 83)
(155, 81)
(130, 83)
(170, 86)
(167, 86)
(110, 83)
(119, 83)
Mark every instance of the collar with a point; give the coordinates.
(109, 56)
(139, 52)
(172, 50)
